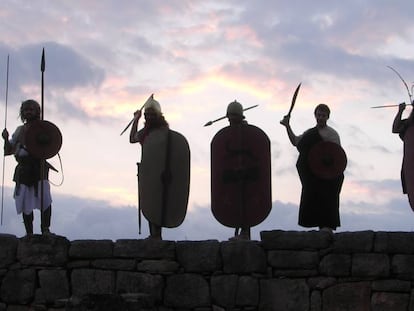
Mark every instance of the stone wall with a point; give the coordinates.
(286, 270)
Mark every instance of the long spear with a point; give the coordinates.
(5, 126)
(221, 118)
(130, 122)
(42, 69)
(42, 161)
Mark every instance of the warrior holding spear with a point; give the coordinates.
(240, 173)
(32, 143)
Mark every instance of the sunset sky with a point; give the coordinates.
(105, 57)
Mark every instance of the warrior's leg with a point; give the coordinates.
(155, 231)
(45, 216)
(245, 233)
(28, 223)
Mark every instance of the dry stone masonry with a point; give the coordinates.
(285, 271)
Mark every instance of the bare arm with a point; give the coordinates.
(291, 135)
(397, 125)
(8, 147)
(134, 129)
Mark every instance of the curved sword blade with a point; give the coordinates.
(294, 99)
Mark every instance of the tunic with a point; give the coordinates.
(27, 193)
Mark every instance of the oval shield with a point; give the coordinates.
(164, 178)
(240, 176)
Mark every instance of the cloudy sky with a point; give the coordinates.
(105, 57)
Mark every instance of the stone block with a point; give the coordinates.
(42, 250)
(243, 257)
(394, 242)
(158, 266)
(402, 267)
(92, 281)
(304, 240)
(290, 259)
(145, 249)
(199, 256)
(370, 265)
(354, 242)
(137, 282)
(18, 286)
(98, 302)
(247, 292)
(354, 296)
(391, 286)
(54, 285)
(224, 290)
(335, 265)
(316, 301)
(91, 249)
(8, 247)
(284, 295)
(187, 291)
(383, 301)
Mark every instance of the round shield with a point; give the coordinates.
(43, 139)
(327, 160)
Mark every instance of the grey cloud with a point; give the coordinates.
(294, 38)
(65, 68)
(390, 185)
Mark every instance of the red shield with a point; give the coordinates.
(327, 160)
(240, 176)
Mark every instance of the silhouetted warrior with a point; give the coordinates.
(319, 202)
(27, 175)
(405, 129)
(164, 172)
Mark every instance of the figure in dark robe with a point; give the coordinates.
(319, 202)
(405, 129)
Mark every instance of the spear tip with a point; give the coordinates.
(42, 65)
(208, 123)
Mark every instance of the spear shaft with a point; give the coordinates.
(42, 162)
(5, 126)
(42, 69)
(221, 118)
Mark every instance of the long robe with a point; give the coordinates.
(406, 124)
(319, 202)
